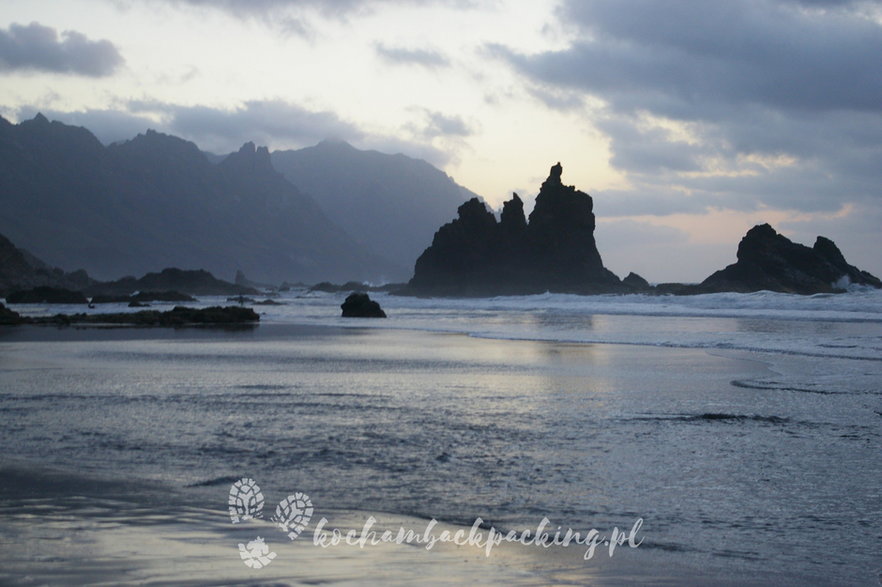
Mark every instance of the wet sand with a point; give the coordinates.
(62, 529)
(79, 520)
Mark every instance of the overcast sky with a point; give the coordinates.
(688, 121)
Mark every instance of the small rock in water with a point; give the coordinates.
(360, 305)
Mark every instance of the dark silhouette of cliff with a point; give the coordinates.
(770, 261)
(555, 251)
(21, 270)
(156, 201)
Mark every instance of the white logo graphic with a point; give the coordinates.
(246, 500)
(257, 554)
(293, 514)
(246, 503)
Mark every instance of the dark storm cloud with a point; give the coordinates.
(693, 57)
(40, 48)
(402, 56)
(788, 93)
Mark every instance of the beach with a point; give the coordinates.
(743, 465)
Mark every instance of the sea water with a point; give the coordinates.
(745, 430)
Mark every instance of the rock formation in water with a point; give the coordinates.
(636, 283)
(9, 317)
(360, 305)
(770, 261)
(555, 251)
(178, 316)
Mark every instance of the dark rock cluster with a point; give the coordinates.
(9, 317)
(770, 261)
(360, 305)
(179, 316)
(171, 280)
(555, 251)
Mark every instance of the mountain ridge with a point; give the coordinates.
(156, 201)
(391, 204)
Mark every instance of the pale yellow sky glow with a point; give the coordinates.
(453, 97)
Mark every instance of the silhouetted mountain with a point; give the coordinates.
(20, 270)
(390, 203)
(171, 279)
(770, 261)
(156, 201)
(555, 251)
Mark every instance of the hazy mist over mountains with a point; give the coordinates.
(156, 201)
(390, 203)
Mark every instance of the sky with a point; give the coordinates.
(688, 121)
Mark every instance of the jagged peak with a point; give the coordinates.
(828, 249)
(513, 212)
(249, 159)
(336, 143)
(554, 182)
(473, 207)
(40, 118)
(764, 229)
(154, 137)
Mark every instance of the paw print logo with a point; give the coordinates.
(246, 503)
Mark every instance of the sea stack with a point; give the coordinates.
(360, 305)
(555, 251)
(770, 261)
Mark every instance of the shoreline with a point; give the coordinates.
(164, 512)
(82, 530)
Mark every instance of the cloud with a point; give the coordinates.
(741, 105)
(296, 16)
(269, 122)
(278, 124)
(443, 125)
(412, 148)
(35, 47)
(402, 56)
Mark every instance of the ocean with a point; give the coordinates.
(743, 431)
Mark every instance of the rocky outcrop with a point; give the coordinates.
(21, 270)
(636, 283)
(770, 261)
(171, 281)
(9, 317)
(142, 297)
(179, 316)
(360, 305)
(555, 251)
